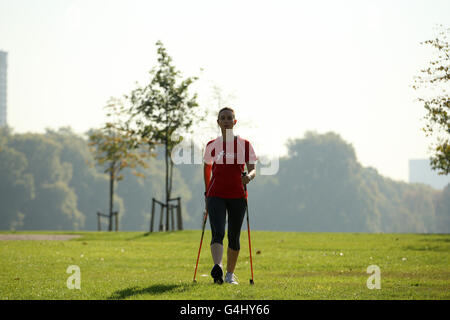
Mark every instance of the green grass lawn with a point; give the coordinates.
(287, 265)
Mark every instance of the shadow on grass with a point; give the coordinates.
(135, 291)
(447, 239)
(155, 233)
(142, 235)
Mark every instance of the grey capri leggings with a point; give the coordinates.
(217, 208)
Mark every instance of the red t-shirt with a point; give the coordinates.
(228, 161)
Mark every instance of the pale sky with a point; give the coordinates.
(291, 66)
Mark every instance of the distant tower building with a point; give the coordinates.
(420, 172)
(3, 74)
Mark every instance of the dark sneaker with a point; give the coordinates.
(217, 274)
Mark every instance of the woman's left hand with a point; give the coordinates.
(246, 179)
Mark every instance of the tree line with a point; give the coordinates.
(50, 182)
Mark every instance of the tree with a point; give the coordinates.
(87, 181)
(117, 146)
(443, 210)
(54, 205)
(434, 80)
(16, 186)
(164, 108)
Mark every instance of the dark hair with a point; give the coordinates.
(226, 108)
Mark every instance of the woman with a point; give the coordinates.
(225, 157)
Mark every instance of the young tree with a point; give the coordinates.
(118, 147)
(434, 84)
(164, 108)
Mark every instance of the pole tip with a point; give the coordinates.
(251, 282)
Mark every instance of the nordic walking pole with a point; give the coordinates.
(205, 217)
(248, 232)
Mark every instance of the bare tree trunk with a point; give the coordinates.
(167, 184)
(166, 162)
(111, 195)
